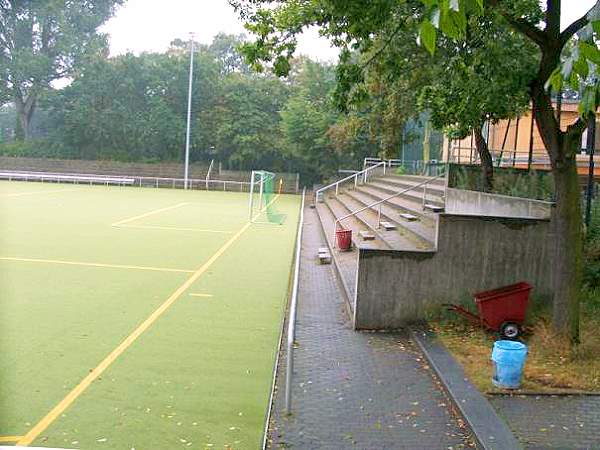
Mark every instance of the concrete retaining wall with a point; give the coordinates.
(463, 202)
(473, 254)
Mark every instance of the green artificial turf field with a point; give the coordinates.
(138, 318)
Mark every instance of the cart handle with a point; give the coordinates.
(463, 312)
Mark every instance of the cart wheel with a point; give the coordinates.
(510, 330)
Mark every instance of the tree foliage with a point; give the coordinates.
(42, 41)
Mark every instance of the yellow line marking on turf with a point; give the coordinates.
(155, 227)
(20, 194)
(98, 370)
(91, 264)
(10, 438)
(201, 295)
(150, 213)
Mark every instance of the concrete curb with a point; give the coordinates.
(544, 394)
(489, 430)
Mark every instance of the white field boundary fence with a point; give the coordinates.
(106, 180)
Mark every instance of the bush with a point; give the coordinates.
(36, 149)
(507, 181)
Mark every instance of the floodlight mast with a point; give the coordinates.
(189, 115)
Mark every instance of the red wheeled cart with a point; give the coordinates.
(502, 310)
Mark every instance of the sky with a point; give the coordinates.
(150, 25)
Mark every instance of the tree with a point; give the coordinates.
(381, 87)
(484, 80)
(355, 23)
(306, 119)
(42, 41)
(225, 49)
(134, 107)
(248, 134)
(562, 146)
(578, 71)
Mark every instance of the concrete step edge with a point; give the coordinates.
(415, 236)
(416, 210)
(415, 196)
(369, 226)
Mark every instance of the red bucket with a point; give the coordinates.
(344, 239)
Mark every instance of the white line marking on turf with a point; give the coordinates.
(156, 227)
(202, 295)
(149, 213)
(91, 264)
(21, 194)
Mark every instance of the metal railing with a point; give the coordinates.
(291, 335)
(369, 161)
(384, 200)
(409, 167)
(363, 174)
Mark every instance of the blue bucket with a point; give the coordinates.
(509, 359)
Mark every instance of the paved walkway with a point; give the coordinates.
(355, 390)
(552, 422)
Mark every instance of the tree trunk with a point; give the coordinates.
(25, 111)
(569, 246)
(568, 225)
(487, 164)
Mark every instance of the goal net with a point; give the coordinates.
(263, 198)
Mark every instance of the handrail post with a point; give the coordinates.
(337, 188)
(335, 227)
(379, 217)
(356, 181)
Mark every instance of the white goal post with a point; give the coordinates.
(262, 197)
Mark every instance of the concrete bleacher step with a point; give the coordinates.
(420, 231)
(339, 209)
(435, 193)
(409, 217)
(433, 208)
(400, 239)
(401, 204)
(366, 235)
(345, 262)
(439, 183)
